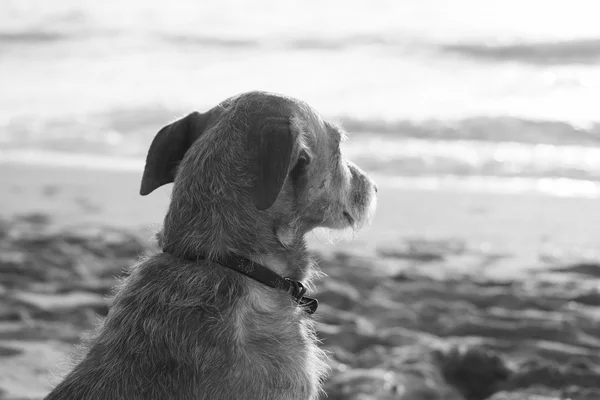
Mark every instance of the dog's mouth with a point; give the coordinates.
(348, 218)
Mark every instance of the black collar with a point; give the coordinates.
(267, 277)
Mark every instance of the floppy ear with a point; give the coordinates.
(275, 145)
(168, 148)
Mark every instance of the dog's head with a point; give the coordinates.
(260, 157)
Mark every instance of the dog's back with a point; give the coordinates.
(182, 330)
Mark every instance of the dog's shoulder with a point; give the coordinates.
(165, 315)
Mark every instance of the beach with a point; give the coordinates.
(446, 296)
(479, 276)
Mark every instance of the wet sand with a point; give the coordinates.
(446, 296)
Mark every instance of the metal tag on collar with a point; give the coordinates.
(309, 304)
(297, 290)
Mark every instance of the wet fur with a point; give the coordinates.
(181, 329)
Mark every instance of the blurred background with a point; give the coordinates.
(478, 119)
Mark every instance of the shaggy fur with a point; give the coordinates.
(251, 176)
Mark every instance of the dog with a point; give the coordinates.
(220, 313)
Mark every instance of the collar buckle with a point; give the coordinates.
(297, 289)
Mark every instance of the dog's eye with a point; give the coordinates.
(303, 161)
(300, 166)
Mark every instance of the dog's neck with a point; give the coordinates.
(290, 260)
(289, 263)
(276, 264)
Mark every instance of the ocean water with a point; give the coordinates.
(464, 94)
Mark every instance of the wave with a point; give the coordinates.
(51, 158)
(556, 187)
(25, 131)
(421, 157)
(318, 42)
(32, 37)
(576, 51)
(283, 43)
(209, 41)
(492, 129)
(579, 51)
